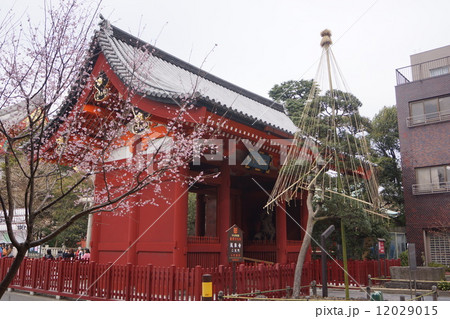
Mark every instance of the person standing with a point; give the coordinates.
(7, 251)
(71, 254)
(87, 254)
(79, 253)
(49, 254)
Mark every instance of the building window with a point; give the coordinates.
(429, 111)
(438, 242)
(439, 71)
(432, 180)
(397, 245)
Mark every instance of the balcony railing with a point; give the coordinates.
(435, 188)
(428, 118)
(423, 70)
(202, 240)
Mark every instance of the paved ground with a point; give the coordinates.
(25, 296)
(354, 294)
(388, 295)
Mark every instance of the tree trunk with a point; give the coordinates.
(304, 248)
(12, 270)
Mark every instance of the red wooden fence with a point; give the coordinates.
(91, 281)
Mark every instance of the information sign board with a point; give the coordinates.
(235, 244)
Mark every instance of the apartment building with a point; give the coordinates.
(423, 105)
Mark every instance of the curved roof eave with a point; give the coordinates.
(170, 78)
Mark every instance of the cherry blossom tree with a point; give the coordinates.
(50, 155)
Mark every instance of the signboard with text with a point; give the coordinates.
(381, 249)
(235, 244)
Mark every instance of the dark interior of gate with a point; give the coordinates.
(264, 240)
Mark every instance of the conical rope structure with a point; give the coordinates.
(329, 155)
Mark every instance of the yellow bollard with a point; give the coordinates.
(207, 288)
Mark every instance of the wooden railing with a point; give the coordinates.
(92, 281)
(202, 240)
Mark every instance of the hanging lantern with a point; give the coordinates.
(100, 86)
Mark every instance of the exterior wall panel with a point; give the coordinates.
(423, 146)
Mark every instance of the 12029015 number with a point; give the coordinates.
(407, 310)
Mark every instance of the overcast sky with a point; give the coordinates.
(261, 43)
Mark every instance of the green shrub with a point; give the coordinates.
(444, 285)
(433, 264)
(404, 258)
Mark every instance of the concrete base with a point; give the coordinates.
(421, 273)
(405, 285)
(402, 275)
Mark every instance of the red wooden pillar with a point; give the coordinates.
(133, 229)
(96, 226)
(180, 210)
(280, 211)
(133, 217)
(236, 208)
(223, 210)
(96, 222)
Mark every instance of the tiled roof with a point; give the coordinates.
(159, 75)
(17, 113)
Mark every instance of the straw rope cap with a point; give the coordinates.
(326, 38)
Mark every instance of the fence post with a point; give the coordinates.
(34, 272)
(91, 279)
(278, 274)
(149, 281)
(172, 283)
(240, 278)
(220, 284)
(288, 292)
(22, 272)
(262, 277)
(109, 279)
(198, 283)
(60, 277)
(75, 277)
(47, 274)
(435, 295)
(314, 288)
(128, 282)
